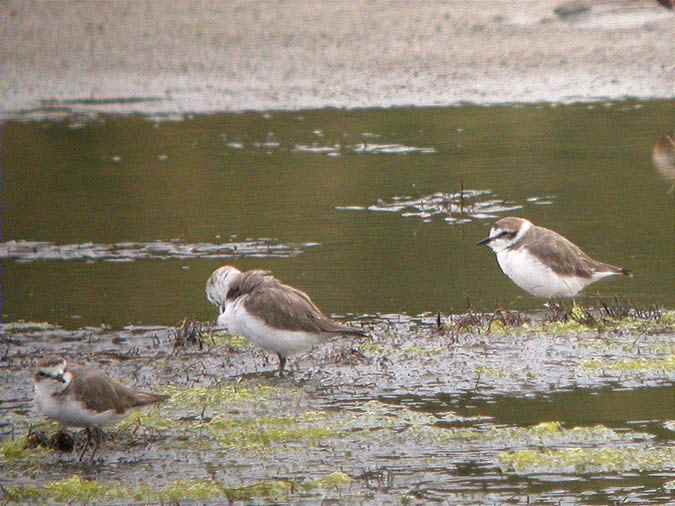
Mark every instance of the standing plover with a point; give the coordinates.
(274, 316)
(542, 262)
(84, 397)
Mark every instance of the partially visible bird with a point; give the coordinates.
(78, 396)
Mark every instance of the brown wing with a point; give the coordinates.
(284, 307)
(564, 257)
(101, 393)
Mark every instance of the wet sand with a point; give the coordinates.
(240, 55)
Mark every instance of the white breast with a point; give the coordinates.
(536, 278)
(285, 342)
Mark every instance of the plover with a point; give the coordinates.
(274, 316)
(663, 156)
(84, 397)
(542, 262)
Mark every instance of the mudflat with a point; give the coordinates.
(154, 57)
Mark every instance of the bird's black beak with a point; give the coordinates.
(484, 241)
(59, 377)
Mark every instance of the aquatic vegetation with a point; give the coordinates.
(491, 372)
(184, 491)
(456, 208)
(218, 396)
(262, 433)
(368, 348)
(233, 343)
(662, 365)
(150, 419)
(75, 489)
(78, 490)
(336, 479)
(545, 433)
(587, 460)
(18, 450)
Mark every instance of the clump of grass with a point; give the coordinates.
(20, 450)
(499, 322)
(610, 315)
(190, 333)
(334, 480)
(587, 460)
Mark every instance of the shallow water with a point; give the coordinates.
(377, 193)
(113, 224)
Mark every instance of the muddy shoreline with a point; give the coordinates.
(487, 407)
(205, 57)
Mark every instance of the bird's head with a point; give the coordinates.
(505, 233)
(219, 283)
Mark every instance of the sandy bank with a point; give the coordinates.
(161, 57)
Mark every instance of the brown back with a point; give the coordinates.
(100, 393)
(563, 256)
(282, 306)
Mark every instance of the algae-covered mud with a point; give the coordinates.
(569, 406)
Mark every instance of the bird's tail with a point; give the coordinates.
(613, 269)
(145, 398)
(355, 332)
(337, 328)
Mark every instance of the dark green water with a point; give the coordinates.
(205, 179)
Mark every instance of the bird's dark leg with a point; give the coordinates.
(98, 437)
(282, 364)
(86, 443)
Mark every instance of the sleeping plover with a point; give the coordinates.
(83, 397)
(542, 262)
(274, 316)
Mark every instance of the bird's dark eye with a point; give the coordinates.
(43, 374)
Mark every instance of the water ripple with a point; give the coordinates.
(30, 251)
(456, 208)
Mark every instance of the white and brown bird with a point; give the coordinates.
(276, 317)
(78, 396)
(542, 262)
(663, 156)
